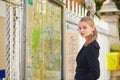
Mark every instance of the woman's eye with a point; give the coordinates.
(84, 27)
(79, 28)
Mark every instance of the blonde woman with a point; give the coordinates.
(87, 58)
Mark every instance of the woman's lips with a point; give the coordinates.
(82, 33)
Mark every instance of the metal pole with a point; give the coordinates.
(23, 40)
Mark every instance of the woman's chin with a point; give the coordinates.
(83, 36)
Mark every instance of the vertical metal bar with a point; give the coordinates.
(62, 43)
(23, 40)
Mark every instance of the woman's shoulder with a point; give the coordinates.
(94, 44)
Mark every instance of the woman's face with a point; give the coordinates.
(85, 29)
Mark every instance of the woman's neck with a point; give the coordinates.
(89, 39)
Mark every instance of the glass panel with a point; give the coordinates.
(43, 58)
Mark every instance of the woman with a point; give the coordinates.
(87, 58)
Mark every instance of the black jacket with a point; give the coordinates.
(88, 63)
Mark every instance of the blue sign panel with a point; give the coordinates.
(2, 73)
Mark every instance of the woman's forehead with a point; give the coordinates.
(83, 23)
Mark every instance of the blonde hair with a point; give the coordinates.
(90, 22)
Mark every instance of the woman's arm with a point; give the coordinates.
(92, 54)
